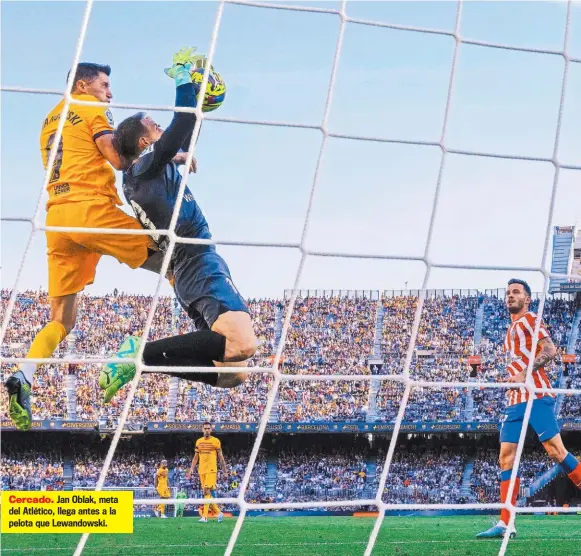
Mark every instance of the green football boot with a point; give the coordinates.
(19, 408)
(114, 376)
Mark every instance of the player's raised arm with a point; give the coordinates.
(166, 146)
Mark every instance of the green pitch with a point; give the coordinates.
(315, 536)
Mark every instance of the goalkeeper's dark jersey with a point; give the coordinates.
(151, 185)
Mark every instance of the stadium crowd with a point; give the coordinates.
(327, 335)
(485, 484)
(331, 469)
(290, 468)
(423, 476)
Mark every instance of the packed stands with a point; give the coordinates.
(426, 469)
(328, 335)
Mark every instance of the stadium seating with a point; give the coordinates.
(307, 467)
(328, 335)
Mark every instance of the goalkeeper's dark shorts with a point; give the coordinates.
(205, 289)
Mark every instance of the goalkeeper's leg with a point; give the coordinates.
(239, 344)
(225, 334)
(205, 290)
(204, 348)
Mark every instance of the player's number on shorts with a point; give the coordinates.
(56, 168)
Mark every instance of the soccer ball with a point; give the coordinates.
(215, 89)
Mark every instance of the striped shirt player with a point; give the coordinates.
(519, 343)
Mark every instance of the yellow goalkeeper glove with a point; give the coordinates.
(183, 57)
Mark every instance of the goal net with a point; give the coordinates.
(142, 493)
(145, 497)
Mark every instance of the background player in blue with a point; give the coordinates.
(519, 345)
(202, 281)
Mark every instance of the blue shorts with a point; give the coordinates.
(204, 288)
(542, 419)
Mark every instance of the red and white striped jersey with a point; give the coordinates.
(519, 344)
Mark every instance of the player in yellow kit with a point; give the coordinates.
(208, 450)
(161, 483)
(82, 193)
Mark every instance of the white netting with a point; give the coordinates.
(429, 265)
(141, 493)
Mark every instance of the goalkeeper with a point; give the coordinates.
(180, 507)
(224, 334)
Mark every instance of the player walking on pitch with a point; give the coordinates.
(180, 507)
(208, 450)
(82, 193)
(203, 285)
(161, 483)
(518, 342)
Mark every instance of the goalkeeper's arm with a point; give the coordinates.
(180, 128)
(186, 143)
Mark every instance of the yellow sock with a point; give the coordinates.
(47, 340)
(206, 507)
(43, 345)
(162, 509)
(215, 508)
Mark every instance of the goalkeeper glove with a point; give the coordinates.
(183, 62)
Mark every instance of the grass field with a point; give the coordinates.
(313, 536)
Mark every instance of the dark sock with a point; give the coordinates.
(195, 349)
(199, 349)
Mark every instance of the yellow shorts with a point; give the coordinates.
(163, 492)
(73, 256)
(208, 480)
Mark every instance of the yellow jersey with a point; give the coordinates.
(80, 172)
(162, 474)
(208, 449)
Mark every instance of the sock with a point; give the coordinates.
(214, 506)
(504, 483)
(196, 349)
(206, 507)
(572, 469)
(200, 348)
(162, 509)
(43, 345)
